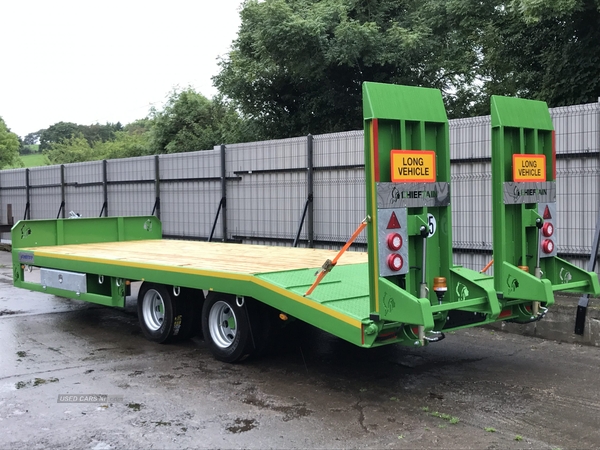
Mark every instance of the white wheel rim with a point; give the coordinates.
(222, 324)
(153, 309)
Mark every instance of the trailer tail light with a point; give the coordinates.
(395, 262)
(392, 237)
(548, 229)
(394, 241)
(548, 246)
(547, 234)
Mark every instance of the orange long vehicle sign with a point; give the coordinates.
(410, 166)
(528, 168)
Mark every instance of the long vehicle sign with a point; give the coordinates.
(413, 166)
(529, 168)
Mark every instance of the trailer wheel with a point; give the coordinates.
(226, 328)
(163, 318)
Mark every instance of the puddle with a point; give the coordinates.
(242, 425)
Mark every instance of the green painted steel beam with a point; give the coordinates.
(520, 113)
(523, 129)
(390, 101)
(47, 232)
(331, 318)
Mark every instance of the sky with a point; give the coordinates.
(86, 61)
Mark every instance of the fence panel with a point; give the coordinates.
(84, 193)
(130, 186)
(470, 138)
(190, 192)
(45, 191)
(339, 187)
(12, 192)
(267, 187)
(577, 128)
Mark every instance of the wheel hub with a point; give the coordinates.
(222, 324)
(153, 309)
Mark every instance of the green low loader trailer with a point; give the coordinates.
(403, 290)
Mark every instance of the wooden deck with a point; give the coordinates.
(212, 256)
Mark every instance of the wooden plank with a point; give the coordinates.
(213, 256)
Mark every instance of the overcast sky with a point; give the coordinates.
(104, 61)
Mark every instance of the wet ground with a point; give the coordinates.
(76, 375)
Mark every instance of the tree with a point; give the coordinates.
(78, 149)
(32, 138)
(546, 50)
(125, 145)
(100, 133)
(191, 122)
(57, 133)
(9, 146)
(139, 126)
(535, 10)
(70, 150)
(297, 66)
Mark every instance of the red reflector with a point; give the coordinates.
(506, 313)
(547, 214)
(393, 224)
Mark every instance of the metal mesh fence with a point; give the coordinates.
(45, 194)
(190, 192)
(267, 191)
(309, 189)
(339, 192)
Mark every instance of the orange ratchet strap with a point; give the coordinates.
(329, 264)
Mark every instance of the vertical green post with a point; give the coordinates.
(407, 165)
(524, 205)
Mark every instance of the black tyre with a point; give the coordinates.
(163, 317)
(226, 328)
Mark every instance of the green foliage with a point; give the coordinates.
(33, 160)
(140, 126)
(297, 65)
(57, 133)
(70, 150)
(100, 133)
(188, 122)
(28, 149)
(78, 149)
(125, 145)
(191, 122)
(535, 10)
(9, 146)
(33, 138)
(64, 131)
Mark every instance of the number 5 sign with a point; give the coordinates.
(432, 224)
